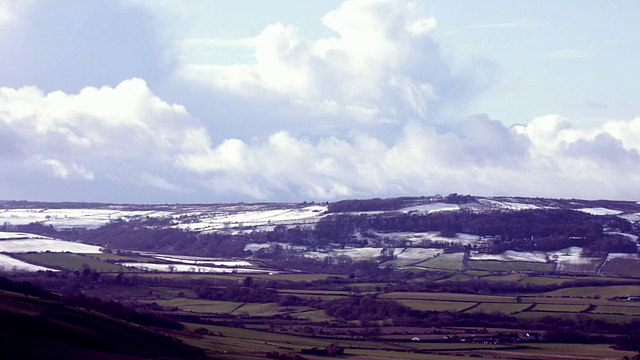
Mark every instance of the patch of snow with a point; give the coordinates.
(600, 211)
(253, 247)
(630, 236)
(7, 235)
(416, 237)
(365, 253)
(250, 218)
(510, 255)
(46, 244)
(208, 261)
(634, 217)
(612, 256)
(507, 205)
(430, 208)
(69, 218)
(7, 263)
(416, 253)
(190, 268)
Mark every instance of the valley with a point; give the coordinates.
(428, 277)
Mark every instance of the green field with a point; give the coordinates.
(435, 305)
(72, 262)
(448, 297)
(560, 308)
(311, 315)
(269, 309)
(623, 310)
(508, 277)
(492, 265)
(572, 351)
(589, 265)
(600, 291)
(453, 261)
(200, 305)
(506, 308)
(457, 277)
(622, 267)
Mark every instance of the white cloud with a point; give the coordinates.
(357, 114)
(99, 132)
(544, 158)
(382, 66)
(10, 10)
(62, 171)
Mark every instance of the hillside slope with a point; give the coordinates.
(31, 328)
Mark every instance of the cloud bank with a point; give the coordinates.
(375, 110)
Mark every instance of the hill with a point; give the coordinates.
(33, 328)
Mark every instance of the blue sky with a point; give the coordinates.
(203, 101)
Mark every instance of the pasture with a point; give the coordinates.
(500, 266)
(71, 261)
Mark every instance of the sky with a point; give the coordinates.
(200, 101)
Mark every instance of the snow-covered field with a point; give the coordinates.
(213, 217)
(21, 243)
(367, 253)
(600, 211)
(416, 237)
(612, 256)
(268, 218)
(416, 253)
(569, 259)
(190, 268)
(7, 263)
(402, 255)
(6, 235)
(430, 208)
(510, 255)
(70, 218)
(506, 205)
(193, 260)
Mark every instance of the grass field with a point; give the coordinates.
(435, 305)
(200, 305)
(560, 308)
(508, 277)
(622, 267)
(244, 343)
(453, 261)
(600, 291)
(500, 307)
(72, 262)
(491, 265)
(268, 309)
(623, 310)
(582, 351)
(448, 297)
(458, 277)
(116, 257)
(312, 315)
(588, 266)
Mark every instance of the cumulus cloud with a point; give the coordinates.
(383, 65)
(359, 114)
(544, 158)
(60, 170)
(104, 131)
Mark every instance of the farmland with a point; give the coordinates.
(245, 280)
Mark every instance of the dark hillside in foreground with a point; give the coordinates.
(31, 328)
